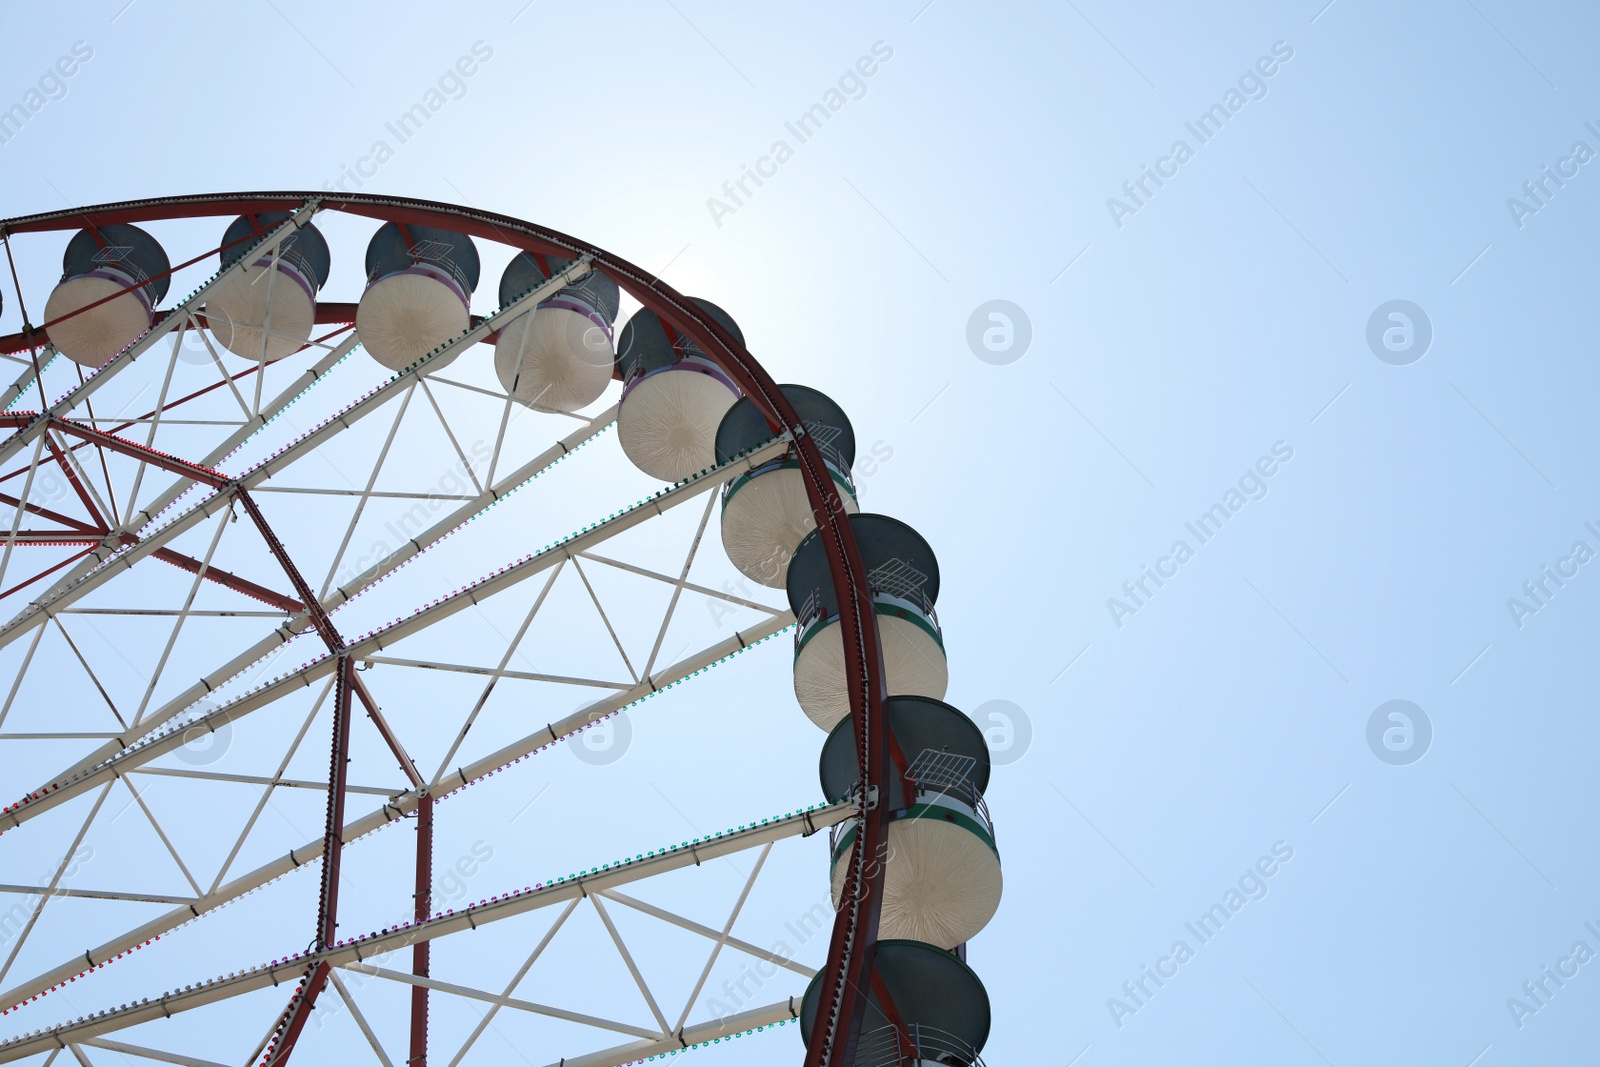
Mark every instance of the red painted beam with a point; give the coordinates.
(419, 952)
(305, 996)
(73, 480)
(83, 533)
(53, 516)
(44, 573)
(338, 779)
(227, 579)
(295, 1015)
(215, 479)
(319, 615)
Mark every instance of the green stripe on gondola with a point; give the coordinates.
(744, 479)
(917, 811)
(915, 618)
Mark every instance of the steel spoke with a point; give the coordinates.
(361, 1020)
(100, 894)
(266, 794)
(612, 630)
(627, 957)
(723, 1026)
(689, 587)
(720, 939)
(16, 522)
(162, 834)
(495, 672)
(466, 464)
(55, 881)
(22, 672)
(160, 409)
(497, 999)
(148, 1053)
(366, 493)
(516, 980)
(677, 586)
(89, 671)
(258, 779)
(494, 677)
(183, 614)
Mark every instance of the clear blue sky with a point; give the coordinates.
(1176, 339)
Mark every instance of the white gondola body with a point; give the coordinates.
(407, 314)
(668, 420)
(557, 357)
(765, 515)
(265, 311)
(95, 335)
(942, 880)
(914, 661)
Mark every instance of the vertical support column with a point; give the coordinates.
(305, 996)
(419, 951)
(338, 775)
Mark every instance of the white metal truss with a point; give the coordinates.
(148, 511)
(178, 317)
(351, 955)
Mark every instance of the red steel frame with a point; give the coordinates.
(845, 981)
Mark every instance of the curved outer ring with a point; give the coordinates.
(855, 930)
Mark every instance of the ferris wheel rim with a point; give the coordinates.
(855, 928)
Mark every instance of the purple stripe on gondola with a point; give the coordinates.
(690, 363)
(578, 306)
(438, 275)
(123, 280)
(289, 269)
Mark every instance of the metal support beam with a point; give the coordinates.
(134, 450)
(338, 776)
(305, 997)
(110, 758)
(709, 1030)
(498, 1000)
(399, 807)
(401, 384)
(319, 614)
(419, 952)
(353, 951)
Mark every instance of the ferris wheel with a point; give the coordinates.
(257, 519)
